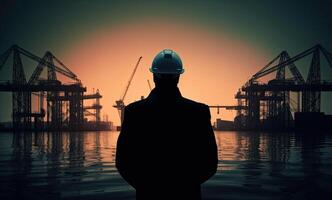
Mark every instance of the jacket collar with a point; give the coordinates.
(165, 94)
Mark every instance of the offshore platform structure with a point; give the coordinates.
(59, 96)
(274, 104)
(95, 106)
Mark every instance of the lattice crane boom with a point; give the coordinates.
(283, 64)
(119, 104)
(130, 79)
(43, 62)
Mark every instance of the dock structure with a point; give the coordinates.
(275, 104)
(60, 105)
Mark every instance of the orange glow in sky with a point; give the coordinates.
(216, 64)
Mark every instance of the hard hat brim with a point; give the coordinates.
(166, 72)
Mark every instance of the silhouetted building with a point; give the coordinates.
(224, 125)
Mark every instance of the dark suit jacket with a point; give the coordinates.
(166, 148)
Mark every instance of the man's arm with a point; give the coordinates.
(125, 158)
(209, 162)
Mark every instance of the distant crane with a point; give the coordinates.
(149, 85)
(119, 104)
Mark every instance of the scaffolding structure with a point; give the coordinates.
(273, 104)
(64, 102)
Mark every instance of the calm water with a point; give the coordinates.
(252, 165)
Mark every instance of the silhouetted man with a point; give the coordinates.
(166, 148)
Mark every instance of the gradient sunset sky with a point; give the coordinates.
(221, 43)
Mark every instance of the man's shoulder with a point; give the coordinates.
(136, 105)
(195, 104)
(141, 104)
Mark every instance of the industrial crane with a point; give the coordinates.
(290, 63)
(21, 101)
(42, 62)
(149, 85)
(48, 60)
(119, 104)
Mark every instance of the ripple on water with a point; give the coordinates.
(252, 165)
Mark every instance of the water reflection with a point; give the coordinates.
(81, 164)
(254, 146)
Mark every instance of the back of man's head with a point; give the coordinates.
(166, 80)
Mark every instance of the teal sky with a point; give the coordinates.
(271, 26)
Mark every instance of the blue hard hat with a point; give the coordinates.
(167, 62)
